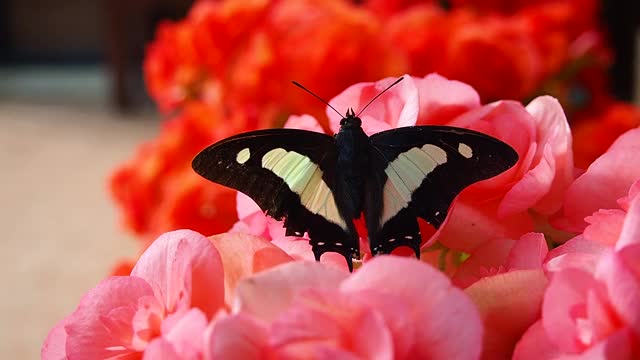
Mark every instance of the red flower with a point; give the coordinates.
(158, 190)
(497, 56)
(189, 59)
(595, 134)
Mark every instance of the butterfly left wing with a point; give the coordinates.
(290, 174)
(418, 171)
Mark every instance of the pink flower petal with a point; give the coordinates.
(616, 346)
(555, 135)
(55, 343)
(94, 330)
(536, 345)
(629, 256)
(433, 301)
(545, 181)
(326, 320)
(236, 336)
(246, 206)
(532, 188)
(508, 303)
(563, 304)
(630, 233)
(243, 255)
(267, 294)
(186, 333)
(161, 349)
(256, 224)
(299, 329)
(471, 223)
(373, 339)
(303, 122)
(185, 270)
(604, 226)
(579, 253)
(529, 252)
(492, 255)
(614, 171)
(441, 100)
(634, 191)
(623, 285)
(397, 107)
(300, 249)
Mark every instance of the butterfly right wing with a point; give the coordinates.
(290, 174)
(418, 171)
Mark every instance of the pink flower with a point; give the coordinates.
(608, 228)
(498, 207)
(593, 315)
(164, 306)
(505, 279)
(592, 305)
(607, 179)
(306, 310)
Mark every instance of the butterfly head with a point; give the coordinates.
(351, 120)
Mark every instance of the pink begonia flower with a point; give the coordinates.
(607, 179)
(495, 208)
(506, 280)
(163, 307)
(168, 304)
(606, 228)
(594, 316)
(593, 311)
(307, 310)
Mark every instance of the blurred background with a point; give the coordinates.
(73, 106)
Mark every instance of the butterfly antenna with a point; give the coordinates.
(377, 96)
(316, 96)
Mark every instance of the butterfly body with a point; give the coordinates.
(352, 165)
(318, 184)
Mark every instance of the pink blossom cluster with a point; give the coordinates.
(540, 262)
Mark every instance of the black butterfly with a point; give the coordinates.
(318, 183)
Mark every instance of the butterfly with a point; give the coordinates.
(318, 184)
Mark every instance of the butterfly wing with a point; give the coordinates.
(418, 171)
(290, 174)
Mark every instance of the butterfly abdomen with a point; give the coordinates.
(352, 169)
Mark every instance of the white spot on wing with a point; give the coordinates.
(465, 150)
(304, 178)
(243, 156)
(405, 174)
